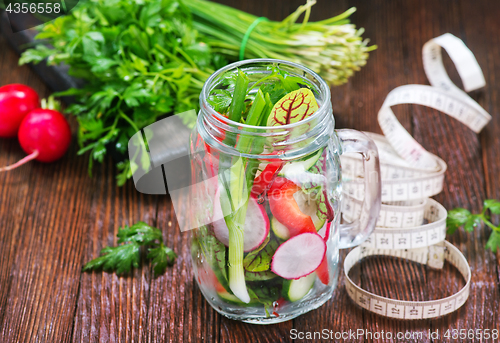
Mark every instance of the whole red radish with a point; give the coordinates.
(47, 132)
(44, 135)
(16, 101)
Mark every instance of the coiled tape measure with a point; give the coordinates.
(410, 175)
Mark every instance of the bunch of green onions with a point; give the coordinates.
(333, 47)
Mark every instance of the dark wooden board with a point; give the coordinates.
(55, 77)
(54, 217)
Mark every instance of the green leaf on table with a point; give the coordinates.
(164, 104)
(90, 46)
(200, 53)
(121, 144)
(95, 36)
(135, 94)
(119, 259)
(219, 61)
(100, 64)
(493, 205)
(140, 233)
(456, 218)
(122, 258)
(161, 257)
(494, 241)
(472, 222)
(99, 152)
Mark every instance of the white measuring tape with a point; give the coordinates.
(411, 225)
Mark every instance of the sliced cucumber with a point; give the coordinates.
(279, 229)
(303, 165)
(294, 290)
(231, 298)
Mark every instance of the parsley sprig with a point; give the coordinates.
(139, 61)
(122, 258)
(462, 217)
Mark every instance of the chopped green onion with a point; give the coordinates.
(238, 102)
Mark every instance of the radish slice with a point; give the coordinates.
(299, 256)
(256, 224)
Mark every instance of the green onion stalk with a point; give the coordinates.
(333, 47)
(238, 179)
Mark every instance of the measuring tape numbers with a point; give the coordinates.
(410, 224)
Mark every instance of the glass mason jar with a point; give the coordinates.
(255, 281)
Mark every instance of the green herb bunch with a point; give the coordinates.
(126, 255)
(139, 59)
(462, 217)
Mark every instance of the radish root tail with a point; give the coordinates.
(28, 158)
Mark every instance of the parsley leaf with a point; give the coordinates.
(220, 99)
(473, 221)
(492, 205)
(122, 258)
(119, 259)
(140, 233)
(161, 257)
(276, 91)
(494, 241)
(461, 217)
(456, 218)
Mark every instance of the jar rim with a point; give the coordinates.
(323, 88)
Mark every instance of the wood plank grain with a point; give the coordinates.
(487, 46)
(14, 192)
(42, 285)
(465, 181)
(235, 331)
(42, 293)
(178, 311)
(39, 210)
(113, 308)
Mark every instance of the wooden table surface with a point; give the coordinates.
(54, 218)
